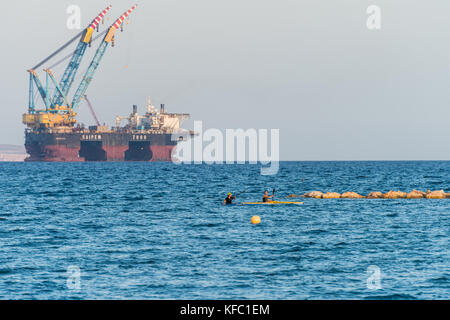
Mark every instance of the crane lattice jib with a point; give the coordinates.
(40, 87)
(72, 67)
(92, 110)
(97, 58)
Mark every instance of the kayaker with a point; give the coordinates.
(229, 199)
(266, 197)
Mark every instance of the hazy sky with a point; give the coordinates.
(336, 90)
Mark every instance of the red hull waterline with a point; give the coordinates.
(61, 153)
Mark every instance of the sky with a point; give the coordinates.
(312, 69)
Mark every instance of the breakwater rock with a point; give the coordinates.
(351, 195)
(375, 195)
(414, 194)
(331, 195)
(440, 194)
(394, 195)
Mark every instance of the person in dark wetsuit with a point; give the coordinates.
(229, 199)
(266, 197)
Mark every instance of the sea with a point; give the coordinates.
(159, 231)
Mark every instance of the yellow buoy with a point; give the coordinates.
(256, 220)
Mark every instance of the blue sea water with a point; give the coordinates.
(159, 231)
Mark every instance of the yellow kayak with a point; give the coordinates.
(273, 202)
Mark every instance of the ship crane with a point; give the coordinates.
(92, 110)
(109, 37)
(72, 67)
(58, 109)
(119, 119)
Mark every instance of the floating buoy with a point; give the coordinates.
(256, 220)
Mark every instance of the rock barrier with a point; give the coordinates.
(392, 194)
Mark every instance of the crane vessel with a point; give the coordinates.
(52, 132)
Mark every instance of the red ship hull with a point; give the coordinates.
(77, 147)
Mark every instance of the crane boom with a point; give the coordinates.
(57, 87)
(41, 89)
(58, 50)
(92, 110)
(72, 67)
(98, 57)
